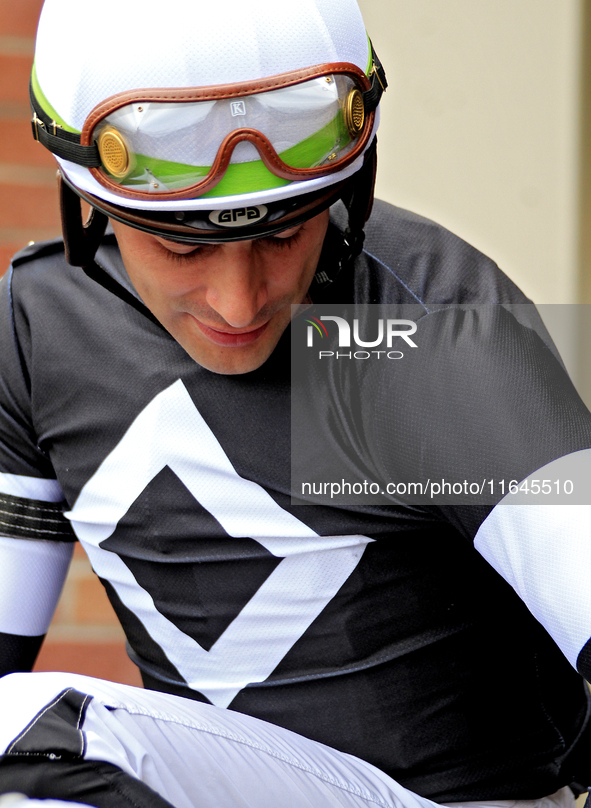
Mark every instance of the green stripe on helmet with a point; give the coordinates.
(46, 106)
(369, 56)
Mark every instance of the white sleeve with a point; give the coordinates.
(541, 544)
(35, 553)
(17, 485)
(32, 575)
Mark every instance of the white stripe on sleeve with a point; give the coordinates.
(17, 485)
(541, 544)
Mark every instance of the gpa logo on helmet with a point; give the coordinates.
(238, 217)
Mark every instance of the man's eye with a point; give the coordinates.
(181, 258)
(284, 242)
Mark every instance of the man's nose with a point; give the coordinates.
(238, 290)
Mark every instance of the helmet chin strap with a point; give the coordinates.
(358, 199)
(339, 254)
(81, 240)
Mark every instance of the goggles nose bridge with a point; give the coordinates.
(261, 143)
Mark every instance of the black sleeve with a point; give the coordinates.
(35, 538)
(18, 653)
(19, 451)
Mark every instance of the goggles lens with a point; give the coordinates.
(159, 147)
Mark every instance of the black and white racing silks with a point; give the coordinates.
(373, 627)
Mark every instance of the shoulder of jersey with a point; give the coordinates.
(37, 250)
(434, 263)
(393, 227)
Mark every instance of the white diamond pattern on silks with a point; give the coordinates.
(171, 432)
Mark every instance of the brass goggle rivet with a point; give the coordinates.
(113, 151)
(354, 113)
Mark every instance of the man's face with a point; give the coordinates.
(226, 304)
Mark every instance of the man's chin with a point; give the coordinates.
(230, 360)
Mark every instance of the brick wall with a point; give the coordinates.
(84, 636)
(28, 198)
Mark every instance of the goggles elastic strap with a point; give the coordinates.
(379, 83)
(59, 141)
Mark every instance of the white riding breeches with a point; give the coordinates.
(192, 755)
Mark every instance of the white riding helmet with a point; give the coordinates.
(202, 121)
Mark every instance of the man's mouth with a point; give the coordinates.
(231, 339)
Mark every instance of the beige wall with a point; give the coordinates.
(481, 130)
(480, 126)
